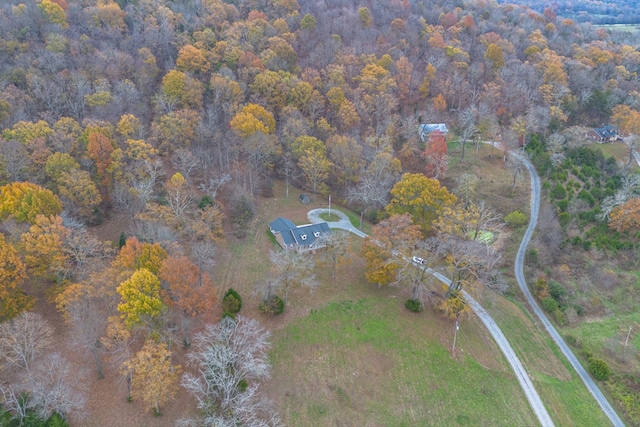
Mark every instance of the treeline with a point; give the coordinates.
(180, 113)
(595, 12)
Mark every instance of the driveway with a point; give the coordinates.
(343, 224)
(523, 378)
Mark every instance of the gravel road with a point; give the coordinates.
(519, 270)
(523, 378)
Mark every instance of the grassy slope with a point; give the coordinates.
(350, 354)
(370, 362)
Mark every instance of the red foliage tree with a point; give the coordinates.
(436, 154)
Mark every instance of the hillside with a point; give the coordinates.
(146, 145)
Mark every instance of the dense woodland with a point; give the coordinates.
(595, 12)
(178, 114)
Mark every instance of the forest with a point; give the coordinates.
(595, 12)
(170, 121)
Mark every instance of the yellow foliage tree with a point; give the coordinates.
(54, 13)
(12, 274)
(626, 217)
(24, 201)
(43, 248)
(423, 198)
(251, 119)
(154, 379)
(140, 298)
(192, 59)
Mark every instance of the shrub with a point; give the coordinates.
(205, 202)
(273, 306)
(558, 293)
(587, 197)
(573, 341)
(564, 218)
(413, 305)
(122, 240)
(599, 369)
(559, 192)
(231, 303)
(549, 305)
(516, 219)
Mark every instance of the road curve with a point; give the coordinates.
(519, 271)
(523, 378)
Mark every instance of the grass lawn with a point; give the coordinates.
(350, 354)
(562, 391)
(370, 362)
(329, 217)
(494, 177)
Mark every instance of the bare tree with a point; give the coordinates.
(23, 339)
(469, 261)
(214, 184)
(184, 161)
(82, 246)
(290, 268)
(516, 165)
(15, 159)
(335, 247)
(231, 360)
(376, 181)
(57, 388)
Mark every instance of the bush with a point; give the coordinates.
(231, 303)
(573, 341)
(599, 369)
(413, 305)
(549, 305)
(205, 202)
(273, 306)
(559, 192)
(516, 219)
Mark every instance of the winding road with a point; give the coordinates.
(523, 378)
(525, 382)
(519, 270)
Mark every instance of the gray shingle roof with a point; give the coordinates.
(304, 235)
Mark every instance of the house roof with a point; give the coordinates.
(281, 224)
(303, 235)
(607, 131)
(430, 127)
(426, 128)
(307, 234)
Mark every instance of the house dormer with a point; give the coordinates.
(316, 233)
(303, 236)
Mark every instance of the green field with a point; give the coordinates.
(350, 354)
(370, 362)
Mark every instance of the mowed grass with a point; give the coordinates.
(494, 184)
(567, 400)
(369, 362)
(350, 354)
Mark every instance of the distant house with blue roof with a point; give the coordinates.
(301, 238)
(426, 128)
(605, 133)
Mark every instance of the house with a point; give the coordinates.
(425, 129)
(301, 238)
(604, 134)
